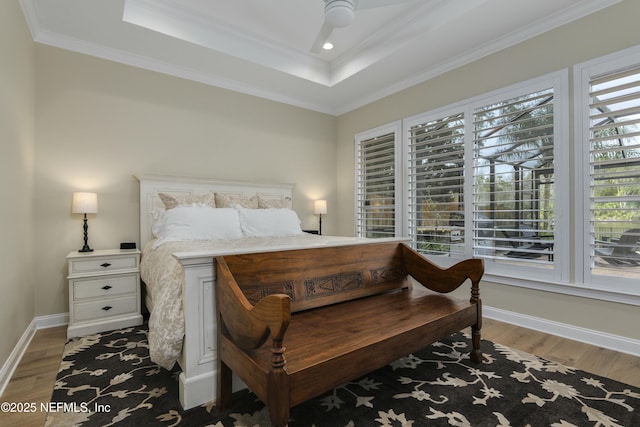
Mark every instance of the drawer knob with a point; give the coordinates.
(106, 287)
(105, 265)
(107, 308)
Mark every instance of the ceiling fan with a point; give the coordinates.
(341, 13)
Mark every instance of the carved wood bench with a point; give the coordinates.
(332, 315)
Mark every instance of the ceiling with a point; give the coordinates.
(263, 47)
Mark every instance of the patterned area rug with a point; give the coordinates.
(107, 380)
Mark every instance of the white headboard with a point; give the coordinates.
(151, 185)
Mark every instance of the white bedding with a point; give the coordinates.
(163, 276)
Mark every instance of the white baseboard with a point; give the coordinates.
(39, 322)
(576, 333)
(52, 320)
(11, 364)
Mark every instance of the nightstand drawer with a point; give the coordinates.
(102, 265)
(104, 287)
(100, 309)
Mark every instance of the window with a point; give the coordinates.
(514, 179)
(609, 140)
(482, 180)
(435, 212)
(377, 184)
(490, 177)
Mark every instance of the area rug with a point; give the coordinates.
(108, 380)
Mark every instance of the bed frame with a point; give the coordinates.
(197, 380)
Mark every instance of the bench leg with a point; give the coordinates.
(278, 398)
(476, 354)
(224, 386)
(279, 416)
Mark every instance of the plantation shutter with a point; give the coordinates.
(376, 186)
(514, 179)
(614, 147)
(436, 184)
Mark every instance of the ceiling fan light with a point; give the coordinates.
(339, 13)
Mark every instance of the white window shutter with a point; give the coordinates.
(514, 177)
(436, 185)
(376, 182)
(614, 172)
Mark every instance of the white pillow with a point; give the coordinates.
(271, 222)
(157, 220)
(199, 222)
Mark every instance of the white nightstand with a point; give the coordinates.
(104, 291)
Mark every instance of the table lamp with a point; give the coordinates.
(85, 203)
(319, 208)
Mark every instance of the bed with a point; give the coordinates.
(179, 275)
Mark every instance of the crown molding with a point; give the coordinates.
(535, 29)
(45, 37)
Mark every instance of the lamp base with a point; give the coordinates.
(85, 227)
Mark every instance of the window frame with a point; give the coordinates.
(409, 198)
(617, 288)
(503, 272)
(396, 129)
(559, 81)
(571, 180)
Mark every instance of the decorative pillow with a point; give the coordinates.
(170, 201)
(269, 222)
(199, 222)
(284, 203)
(227, 200)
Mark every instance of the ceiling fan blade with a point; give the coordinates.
(370, 4)
(323, 36)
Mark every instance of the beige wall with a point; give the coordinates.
(608, 31)
(100, 122)
(16, 176)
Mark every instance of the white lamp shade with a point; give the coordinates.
(320, 207)
(84, 203)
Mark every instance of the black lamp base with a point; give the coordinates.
(85, 228)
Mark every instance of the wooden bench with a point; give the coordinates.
(332, 315)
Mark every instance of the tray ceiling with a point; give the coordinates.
(263, 47)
